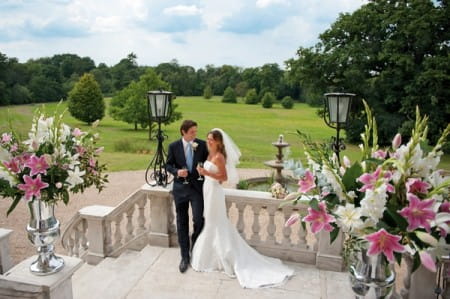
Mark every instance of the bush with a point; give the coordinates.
(229, 96)
(287, 102)
(267, 100)
(86, 100)
(207, 92)
(251, 97)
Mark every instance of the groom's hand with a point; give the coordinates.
(182, 173)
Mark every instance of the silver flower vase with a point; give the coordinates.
(371, 276)
(43, 231)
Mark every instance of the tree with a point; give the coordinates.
(86, 100)
(267, 100)
(287, 102)
(207, 93)
(394, 54)
(229, 96)
(130, 104)
(251, 97)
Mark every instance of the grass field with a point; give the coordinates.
(252, 127)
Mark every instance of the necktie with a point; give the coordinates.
(189, 156)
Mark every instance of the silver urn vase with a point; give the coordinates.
(371, 276)
(43, 231)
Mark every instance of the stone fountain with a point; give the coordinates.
(278, 163)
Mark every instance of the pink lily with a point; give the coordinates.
(419, 213)
(6, 138)
(37, 165)
(292, 220)
(414, 185)
(80, 150)
(427, 261)
(319, 219)
(32, 187)
(370, 179)
(77, 132)
(379, 154)
(306, 183)
(13, 165)
(445, 208)
(384, 242)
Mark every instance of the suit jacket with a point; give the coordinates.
(176, 160)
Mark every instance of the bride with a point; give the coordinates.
(220, 247)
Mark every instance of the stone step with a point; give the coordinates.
(114, 277)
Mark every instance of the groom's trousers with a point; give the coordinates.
(182, 209)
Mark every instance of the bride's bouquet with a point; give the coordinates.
(391, 201)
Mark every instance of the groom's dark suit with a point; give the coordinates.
(185, 193)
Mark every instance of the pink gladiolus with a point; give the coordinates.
(32, 187)
(306, 183)
(92, 162)
(419, 213)
(77, 132)
(319, 219)
(58, 185)
(6, 138)
(427, 261)
(379, 154)
(292, 220)
(416, 186)
(384, 242)
(80, 150)
(396, 141)
(37, 165)
(99, 150)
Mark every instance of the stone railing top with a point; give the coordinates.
(248, 194)
(96, 211)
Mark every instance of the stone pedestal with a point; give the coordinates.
(329, 255)
(19, 282)
(5, 258)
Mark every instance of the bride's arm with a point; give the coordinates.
(221, 174)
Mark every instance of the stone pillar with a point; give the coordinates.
(18, 282)
(329, 255)
(5, 258)
(96, 234)
(160, 215)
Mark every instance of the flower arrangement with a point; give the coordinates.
(278, 191)
(53, 161)
(394, 200)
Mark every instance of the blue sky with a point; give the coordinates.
(236, 32)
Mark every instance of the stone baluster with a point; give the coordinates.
(141, 218)
(240, 223)
(108, 237)
(271, 228)
(84, 240)
(302, 234)
(287, 229)
(256, 227)
(70, 245)
(129, 227)
(98, 233)
(5, 257)
(329, 255)
(76, 238)
(117, 231)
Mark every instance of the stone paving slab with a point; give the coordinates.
(163, 280)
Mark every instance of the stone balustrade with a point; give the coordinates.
(147, 217)
(5, 258)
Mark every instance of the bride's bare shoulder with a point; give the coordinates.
(218, 159)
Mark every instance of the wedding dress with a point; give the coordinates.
(221, 248)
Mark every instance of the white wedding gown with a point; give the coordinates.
(221, 248)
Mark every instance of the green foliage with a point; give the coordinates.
(287, 102)
(390, 53)
(207, 92)
(229, 96)
(267, 100)
(86, 100)
(251, 97)
(242, 185)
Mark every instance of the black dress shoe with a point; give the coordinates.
(184, 264)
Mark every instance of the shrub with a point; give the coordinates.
(207, 92)
(287, 102)
(251, 97)
(267, 100)
(229, 96)
(86, 100)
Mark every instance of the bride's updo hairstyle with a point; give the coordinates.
(217, 136)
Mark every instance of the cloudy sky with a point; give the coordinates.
(198, 32)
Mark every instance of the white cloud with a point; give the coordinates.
(182, 10)
(265, 3)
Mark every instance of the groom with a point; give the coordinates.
(182, 159)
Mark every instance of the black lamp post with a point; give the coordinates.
(337, 108)
(159, 110)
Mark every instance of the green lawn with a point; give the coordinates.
(252, 127)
